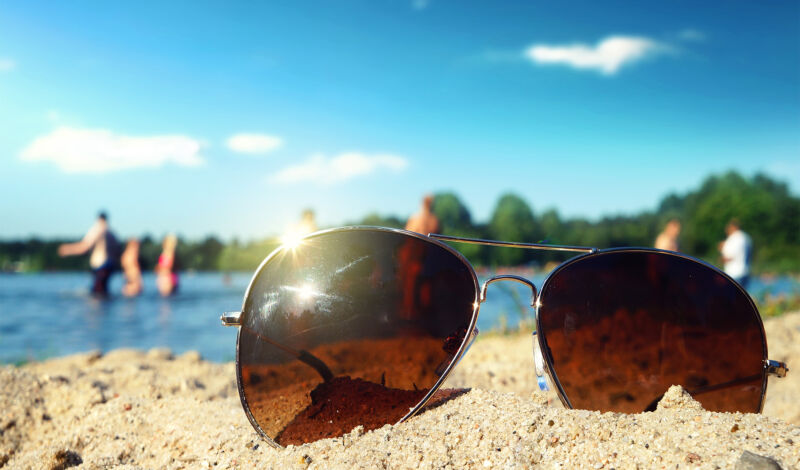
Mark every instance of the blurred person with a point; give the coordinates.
(424, 221)
(736, 252)
(166, 268)
(668, 238)
(130, 268)
(105, 253)
(307, 223)
(297, 231)
(416, 295)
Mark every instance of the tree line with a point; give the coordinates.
(764, 206)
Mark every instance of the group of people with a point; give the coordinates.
(105, 259)
(736, 249)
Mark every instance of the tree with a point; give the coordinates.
(764, 207)
(512, 220)
(208, 252)
(376, 220)
(551, 227)
(455, 220)
(451, 212)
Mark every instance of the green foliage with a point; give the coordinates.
(453, 215)
(205, 256)
(513, 220)
(36, 255)
(455, 220)
(247, 257)
(470, 251)
(376, 220)
(149, 250)
(764, 207)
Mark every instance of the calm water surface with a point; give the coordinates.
(46, 315)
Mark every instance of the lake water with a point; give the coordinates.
(46, 315)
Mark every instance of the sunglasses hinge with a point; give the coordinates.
(231, 319)
(776, 368)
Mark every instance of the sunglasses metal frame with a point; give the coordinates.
(771, 367)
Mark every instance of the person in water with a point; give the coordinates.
(166, 269)
(105, 253)
(131, 269)
(424, 221)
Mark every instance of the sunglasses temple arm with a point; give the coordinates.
(720, 386)
(302, 355)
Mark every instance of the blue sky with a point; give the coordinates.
(229, 119)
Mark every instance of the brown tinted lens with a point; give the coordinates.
(350, 328)
(622, 327)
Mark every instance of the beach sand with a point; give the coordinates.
(133, 409)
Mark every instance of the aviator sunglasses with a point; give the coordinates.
(362, 325)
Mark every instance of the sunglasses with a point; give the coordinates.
(362, 325)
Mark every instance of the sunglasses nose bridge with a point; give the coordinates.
(509, 277)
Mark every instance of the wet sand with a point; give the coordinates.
(133, 409)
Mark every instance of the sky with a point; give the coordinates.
(230, 118)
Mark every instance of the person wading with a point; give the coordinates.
(105, 253)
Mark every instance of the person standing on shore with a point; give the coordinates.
(105, 253)
(416, 294)
(424, 221)
(736, 252)
(668, 238)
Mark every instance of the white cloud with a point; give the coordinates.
(607, 56)
(77, 150)
(7, 64)
(324, 170)
(254, 143)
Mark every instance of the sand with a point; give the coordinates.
(133, 409)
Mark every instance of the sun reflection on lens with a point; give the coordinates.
(305, 292)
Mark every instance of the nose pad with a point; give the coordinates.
(542, 373)
(446, 362)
